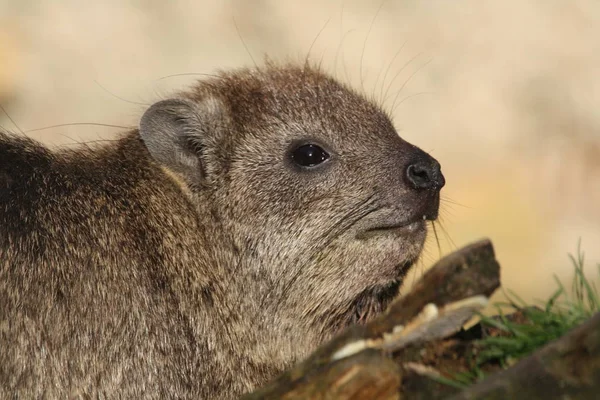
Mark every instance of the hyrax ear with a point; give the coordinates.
(177, 131)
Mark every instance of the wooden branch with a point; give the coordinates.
(365, 375)
(354, 365)
(568, 368)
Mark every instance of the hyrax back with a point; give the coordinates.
(242, 224)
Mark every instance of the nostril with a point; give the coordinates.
(425, 175)
(419, 176)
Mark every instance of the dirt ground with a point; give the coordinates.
(506, 94)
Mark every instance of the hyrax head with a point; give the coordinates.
(325, 202)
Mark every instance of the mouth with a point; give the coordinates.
(403, 229)
(374, 301)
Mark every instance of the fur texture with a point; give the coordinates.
(191, 258)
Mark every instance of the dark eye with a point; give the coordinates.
(309, 155)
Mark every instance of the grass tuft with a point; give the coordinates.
(555, 317)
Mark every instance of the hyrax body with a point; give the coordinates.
(242, 224)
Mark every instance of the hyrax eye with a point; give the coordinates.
(309, 155)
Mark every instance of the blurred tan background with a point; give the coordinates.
(506, 94)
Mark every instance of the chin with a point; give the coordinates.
(390, 255)
(367, 305)
(374, 300)
(396, 254)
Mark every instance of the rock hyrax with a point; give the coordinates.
(243, 223)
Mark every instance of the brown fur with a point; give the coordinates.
(191, 258)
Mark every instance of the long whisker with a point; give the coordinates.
(11, 120)
(387, 70)
(306, 60)
(408, 80)
(189, 74)
(437, 239)
(337, 54)
(79, 124)
(87, 142)
(237, 29)
(350, 218)
(447, 199)
(385, 95)
(447, 235)
(362, 55)
(447, 210)
(118, 97)
(408, 98)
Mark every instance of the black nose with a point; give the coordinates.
(425, 174)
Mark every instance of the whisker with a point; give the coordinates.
(409, 97)
(387, 70)
(346, 75)
(408, 80)
(350, 217)
(447, 210)
(11, 120)
(118, 97)
(342, 37)
(337, 54)
(445, 206)
(373, 98)
(437, 239)
(87, 142)
(447, 199)
(447, 235)
(306, 60)
(237, 29)
(362, 56)
(385, 96)
(78, 124)
(189, 74)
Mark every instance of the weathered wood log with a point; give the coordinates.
(567, 368)
(365, 375)
(354, 364)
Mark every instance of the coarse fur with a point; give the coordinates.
(192, 257)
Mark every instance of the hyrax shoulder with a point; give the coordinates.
(244, 222)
